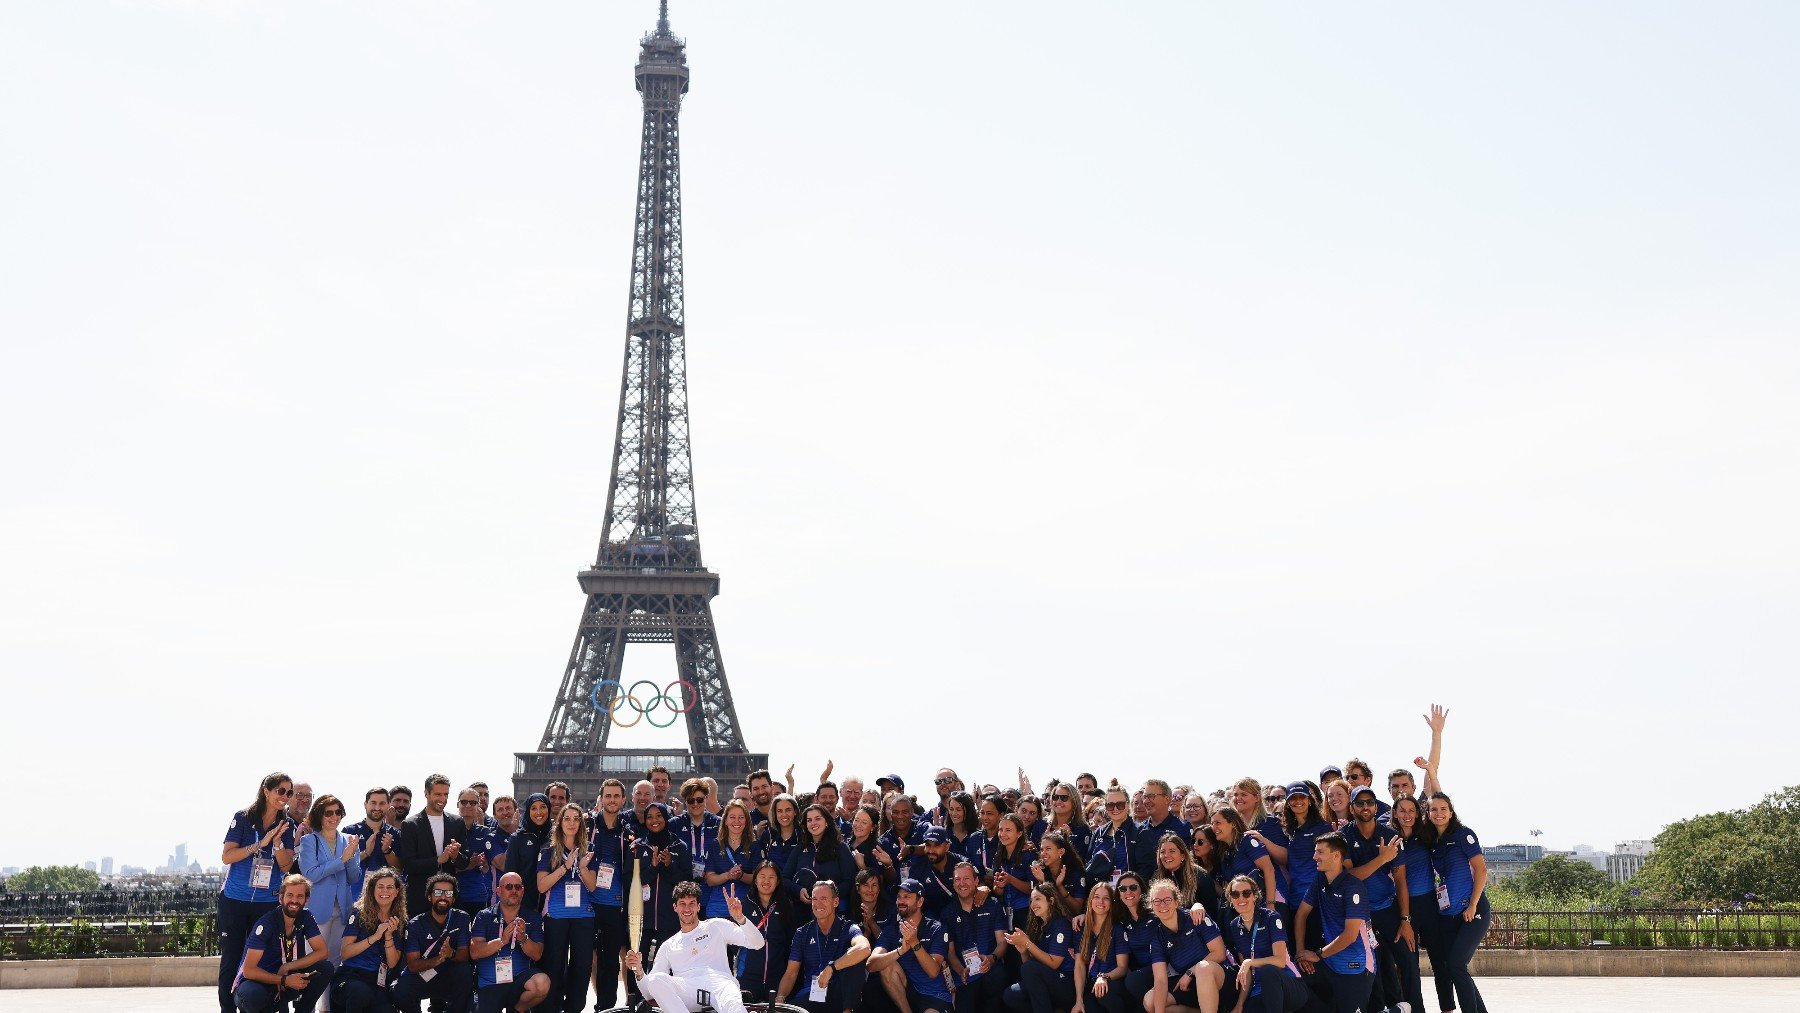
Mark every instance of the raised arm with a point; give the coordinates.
(1430, 762)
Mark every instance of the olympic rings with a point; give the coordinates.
(614, 703)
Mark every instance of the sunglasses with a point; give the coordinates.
(1129, 888)
(284, 792)
(1236, 894)
(944, 780)
(443, 893)
(1116, 806)
(512, 886)
(1363, 802)
(333, 812)
(1061, 798)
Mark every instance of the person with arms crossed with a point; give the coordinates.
(692, 968)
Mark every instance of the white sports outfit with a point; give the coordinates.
(691, 970)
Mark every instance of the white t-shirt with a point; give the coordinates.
(703, 948)
(437, 830)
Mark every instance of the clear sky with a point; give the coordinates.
(1178, 388)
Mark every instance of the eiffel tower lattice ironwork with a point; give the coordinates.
(648, 584)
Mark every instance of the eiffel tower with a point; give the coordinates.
(648, 584)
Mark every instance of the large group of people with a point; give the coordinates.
(1084, 897)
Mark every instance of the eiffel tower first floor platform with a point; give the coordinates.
(585, 772)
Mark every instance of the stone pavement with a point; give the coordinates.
(1505, 995)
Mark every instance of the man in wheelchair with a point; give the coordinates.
(691, 971)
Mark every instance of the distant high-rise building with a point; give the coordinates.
(1504, 860)
(1627, 859)
(181, 856)
(106, 866)
(91, 867)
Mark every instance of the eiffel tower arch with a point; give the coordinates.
(648, 584)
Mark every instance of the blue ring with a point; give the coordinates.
(595, 695)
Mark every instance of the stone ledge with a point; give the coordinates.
(109, 972)
(1606, 963)
(143, 972)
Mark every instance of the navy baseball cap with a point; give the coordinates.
(1363, 789)
(912, 886)
(893, 779)
(1298, 788)
(1331, 769)
(936, 835)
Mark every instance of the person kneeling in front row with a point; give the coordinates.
(273, 973)
(830, 955)
(437, 953)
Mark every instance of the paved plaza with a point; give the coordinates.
(1504, 995)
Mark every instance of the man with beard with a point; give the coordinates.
(558, 793)
(692, 968)
(273, 972)
(437, 952)
(977, 929)
(762, 796)
(399, 805)
(504, 942)
(431, 842)
(910, 954)
(610, 838)
(933, 869)
(378, 842)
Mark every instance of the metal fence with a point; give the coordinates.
(1646, 929)
(107, 903)
(162, 935)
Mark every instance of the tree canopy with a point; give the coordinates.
(1742, 855)
(44, 878)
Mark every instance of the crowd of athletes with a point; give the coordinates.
(967, 898)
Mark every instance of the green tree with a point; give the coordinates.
(1741, 855)
(41, 878)
(1559, 878)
